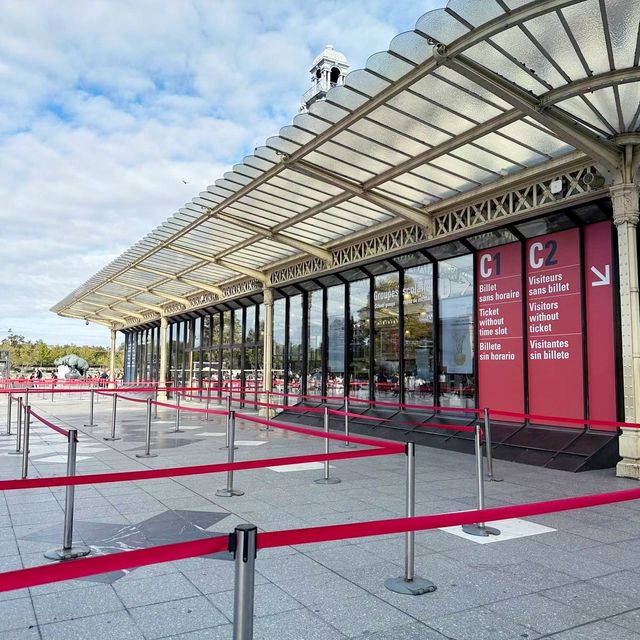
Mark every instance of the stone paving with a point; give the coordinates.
(577, 578)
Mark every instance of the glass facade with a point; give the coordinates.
(335, 340)
(386, 336)
(456, 332)
(295, 347)
(404, 329)
(359, 339)
(419, 347)
(315, 342)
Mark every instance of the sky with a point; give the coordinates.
(108, 107)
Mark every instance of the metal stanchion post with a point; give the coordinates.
(25, 441)
(267, 396)
(410, 584)
(177, 428)
(480, 529)
(9, 403)
(147, 450)
(68, 551)
(242, 543)
(18, 450)
(326, 479)
(346, 422)
(114, 410)
(229, 491)
(228, 430)
(208, 402)
(91, 404)
(489, 447)
(26, 397)
(52, 387)
(155, 403)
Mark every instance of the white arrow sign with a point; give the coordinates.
(604, 279)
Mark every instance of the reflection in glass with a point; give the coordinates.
(455, 292)
(180, 335)
(206, 332)
(231, 372)
(278, 344)
(417, 297)
(250, 374)
(250, 334)
(259, 366)
(196, 370)
(260, 311)
(171, 377)
(314, 347)
(197, 333)
(227, 327)
(141, 356)
(359, 345)
(295, 355)
(237, 326)
(335, 340)
(211, 370)
(216, 334)
(386, 338)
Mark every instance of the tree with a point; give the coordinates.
(27, 355)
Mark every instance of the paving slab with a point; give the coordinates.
(577, 581)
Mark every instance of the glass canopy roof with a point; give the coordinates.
(479, 91)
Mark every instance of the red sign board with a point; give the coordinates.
(554, 325)
(499, 323)
(598, 269)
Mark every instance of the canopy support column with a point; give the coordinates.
(267, 366)
(164, 351)
(625, 216)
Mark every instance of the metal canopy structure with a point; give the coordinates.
(479, 99)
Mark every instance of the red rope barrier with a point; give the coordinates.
(371, 442)
(217, 412)
(149, 474)
(142, 400)
(34, 576)
(46, 423)
(594, 423)
(421, 523)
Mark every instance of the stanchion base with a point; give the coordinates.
(480, 530)
(348, 446)
(146, 455)
(14, 453)
(265, 429)
(225, 447)
(110, 438)
(494, 479)
(328, 481)
(67, 554)
(228, 493)
(176, 431)
(416, 587)
(89, 425)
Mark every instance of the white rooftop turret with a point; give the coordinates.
(328, 70)
(331, 55)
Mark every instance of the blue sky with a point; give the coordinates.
(106, 107)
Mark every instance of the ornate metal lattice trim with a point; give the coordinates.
(524, 200)
(241, 288)
(527, 199)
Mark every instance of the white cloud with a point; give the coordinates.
(106, 107)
